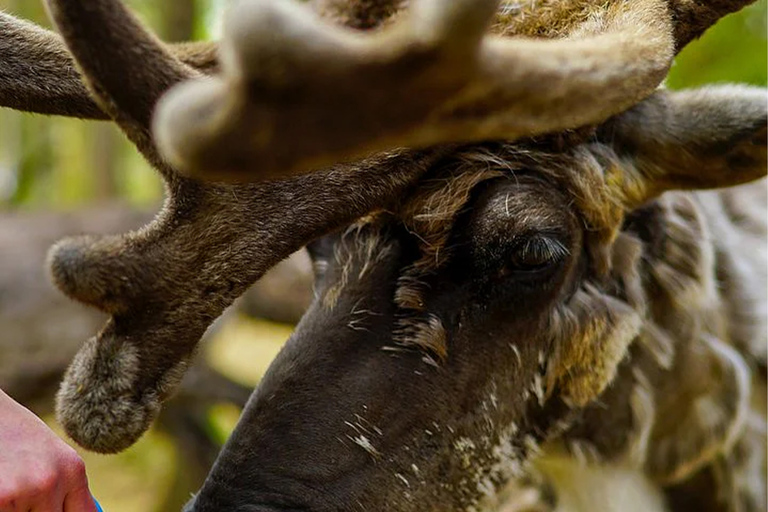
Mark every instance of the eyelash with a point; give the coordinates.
(544, 248)
(533, 255)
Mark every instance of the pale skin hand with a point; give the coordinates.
(38, 471)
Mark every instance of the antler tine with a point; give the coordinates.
(95, 33)
(692, 19)
(38, 74)
(164, 284)
(56, 87)
(298, 93)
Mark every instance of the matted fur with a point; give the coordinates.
(648, 316)
(690, 385)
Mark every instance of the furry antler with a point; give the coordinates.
(38, 74)
(432, 77)
(298, 93)
(164, 284)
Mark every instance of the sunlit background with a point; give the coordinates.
(65, 165)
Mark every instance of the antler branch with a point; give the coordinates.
(298, 93)
(96, 33)
(692, 19)
(38, 74)
(164, 284)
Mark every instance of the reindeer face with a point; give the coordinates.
(477, 317)
(416, 365)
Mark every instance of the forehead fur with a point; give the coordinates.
(517, 206)
(545, 18)
(590, 175)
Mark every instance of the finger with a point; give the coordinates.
(79, 500)
(43, 494)
(10, 500)
(8, 505)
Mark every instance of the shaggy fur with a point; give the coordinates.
(686, 384)
(640, 351)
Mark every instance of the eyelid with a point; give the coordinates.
(545, 247)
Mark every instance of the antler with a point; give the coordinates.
(430, 78)
(298, 93)
(164, 284)
(692, 19)
(39, 75)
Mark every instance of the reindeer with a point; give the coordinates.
(521, 301)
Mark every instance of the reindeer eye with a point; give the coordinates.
(534, 254)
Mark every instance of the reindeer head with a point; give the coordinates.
(492, 293)
(516, 297)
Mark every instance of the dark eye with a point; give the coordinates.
(534, 254)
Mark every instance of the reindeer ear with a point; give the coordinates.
(705, 138)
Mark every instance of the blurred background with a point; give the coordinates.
(60, 177)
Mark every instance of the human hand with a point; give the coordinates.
(39, 472)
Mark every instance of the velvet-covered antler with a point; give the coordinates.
(164, 284)
(39, 75)
(298, 93)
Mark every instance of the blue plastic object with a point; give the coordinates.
(98, 507)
